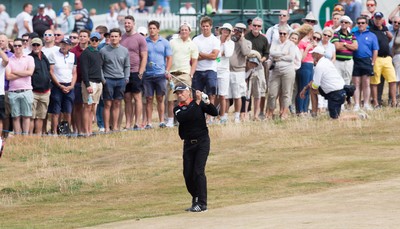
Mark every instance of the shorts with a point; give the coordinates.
(78, 93)
(157, 84)
(21, 103)
(223, 83)
(184, 78)
(257, 84)
(7, 105)
(2, 107)
(205, 80)
(61, 102)
(97, 90)
(362, 67)
(114, 89)
(237, 85)
(383, 67)
(135, 84)
(40, 105)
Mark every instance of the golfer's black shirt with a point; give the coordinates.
(192, 121)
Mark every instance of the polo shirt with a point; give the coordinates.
(183, 52)
(63, 66)
(259, 43)
(20, 64)
(158, 51)
(383, 40)
(367, 43)
(327, 77)
(349, 39)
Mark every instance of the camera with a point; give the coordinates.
(272, 65)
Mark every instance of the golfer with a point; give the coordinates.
(193, 130)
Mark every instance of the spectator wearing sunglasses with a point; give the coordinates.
(41, 87)
(364, 60)
(19, 71)
(92, 78)
(310, 19)
(273, 32)
(49, 46)
(345, 43)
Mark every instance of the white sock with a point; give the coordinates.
(237, 115)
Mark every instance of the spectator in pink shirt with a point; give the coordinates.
(19, 72)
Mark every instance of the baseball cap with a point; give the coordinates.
(181, 87)
(40, 6)
(346, 18)
(226, 26)
(37, 41)
(319, 49)
(254, 60)
(66, 41)
(95, 34)
(142, 30)
(378, 14)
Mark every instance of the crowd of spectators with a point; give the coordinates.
(72, 74)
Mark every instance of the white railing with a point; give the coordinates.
(167, 21)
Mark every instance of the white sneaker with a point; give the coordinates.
(170, 124)
(356, 107)
(237, 120)
(368, 107)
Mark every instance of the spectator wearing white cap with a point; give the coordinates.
(345, 43)
(41, 84)
(63, 77)
(326, 81)
(226, 51)
(237, 85)
(184, 61)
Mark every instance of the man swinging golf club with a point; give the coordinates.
(196, 142)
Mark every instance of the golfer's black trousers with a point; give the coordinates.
(195, 154)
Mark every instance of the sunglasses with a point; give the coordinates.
(17, 46)
(48, 35)
(94, 40)
(338, 9)
(282, 34)
(396, 22)
(361, 23)
(326, 35)
(25, 40)
(35, 45)
(310, 21)
(57, 34)
(73, 37)
(283, 15)
(370, 5)
(345, 22)
(316, 38)
(256, 25)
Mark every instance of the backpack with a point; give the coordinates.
(89, 24)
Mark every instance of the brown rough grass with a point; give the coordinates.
(67, 183)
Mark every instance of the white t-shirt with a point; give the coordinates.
(327, 77)
(63, 66)
(21, 18)
(207, 45)
(4, 19)
(2, 77)
(48, 51)
(184, 10)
